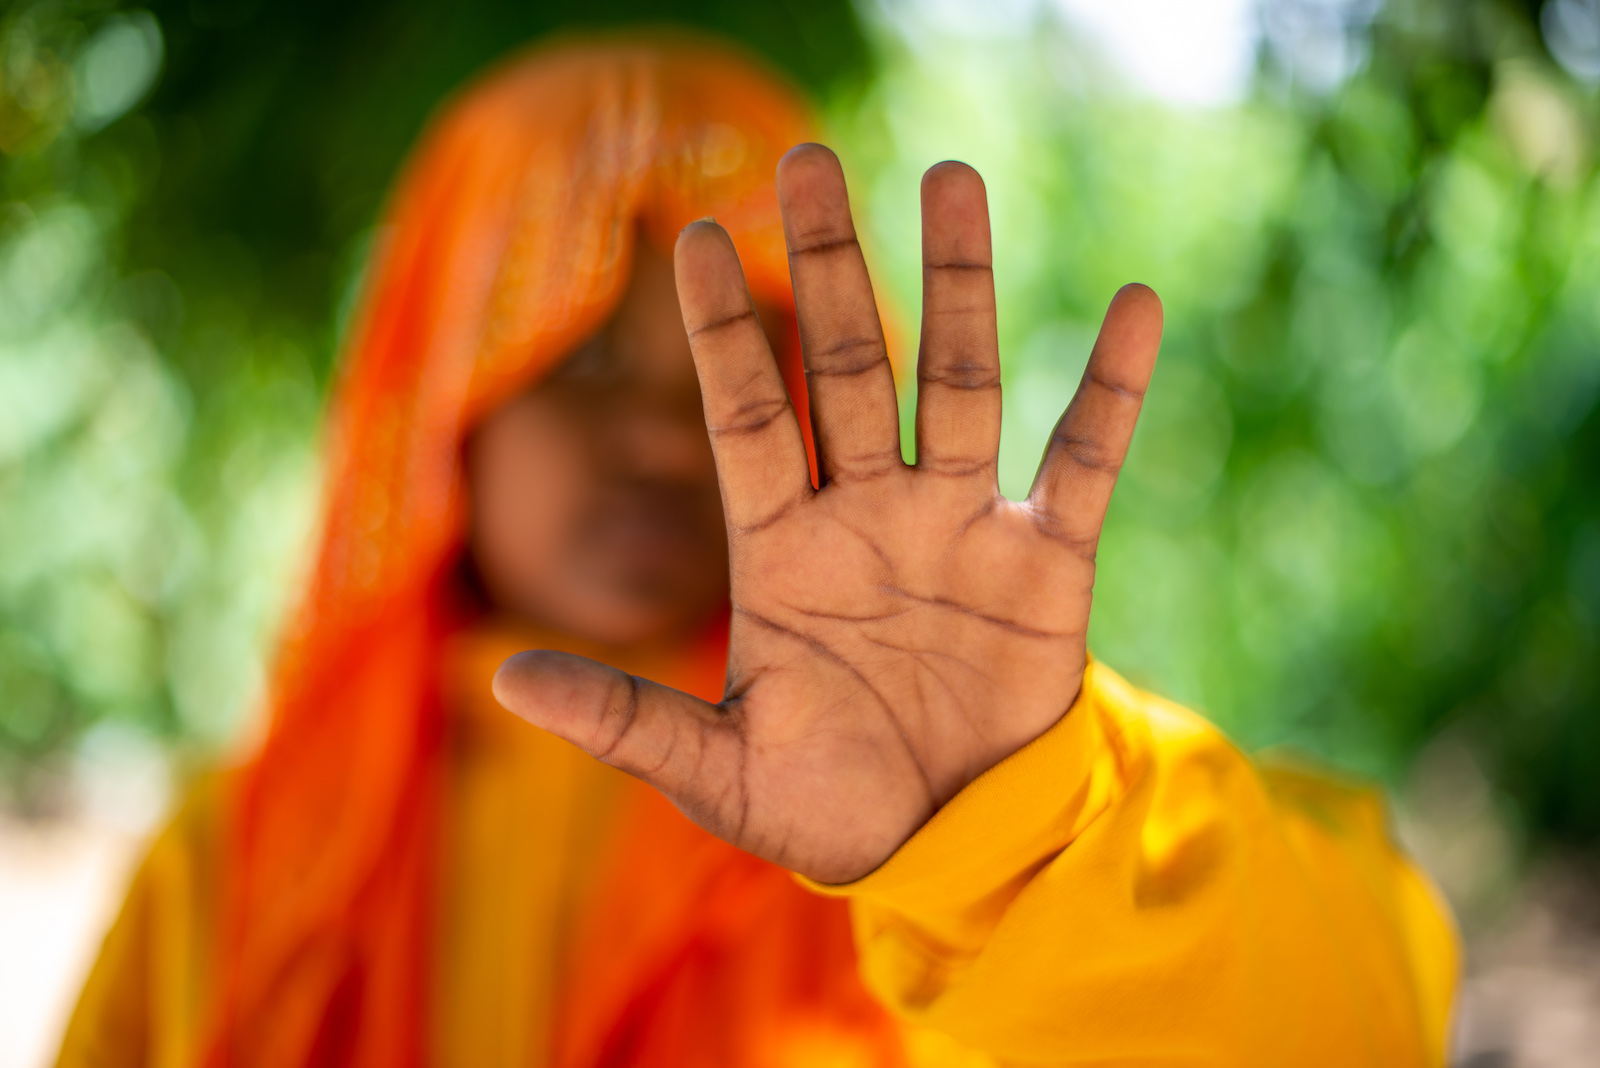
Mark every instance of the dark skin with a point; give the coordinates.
(595, 509)
(904, 628)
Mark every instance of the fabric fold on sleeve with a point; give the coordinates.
(1131, 888)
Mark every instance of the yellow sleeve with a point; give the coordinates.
(1130, 889)
(139, 1007)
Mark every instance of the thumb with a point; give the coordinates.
(683, 746)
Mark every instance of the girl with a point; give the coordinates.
(1005, 853)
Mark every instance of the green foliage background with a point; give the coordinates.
(1361, 513)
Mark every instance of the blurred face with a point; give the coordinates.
(595, 508)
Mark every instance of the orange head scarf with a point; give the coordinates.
(508, 241)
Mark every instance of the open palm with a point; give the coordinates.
(903, 628)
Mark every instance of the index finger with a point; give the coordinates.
(761, 458)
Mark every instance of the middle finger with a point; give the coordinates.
(853, 411)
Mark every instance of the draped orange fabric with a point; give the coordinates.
(698, 955)
(508, 241)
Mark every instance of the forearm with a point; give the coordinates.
(1131, 887)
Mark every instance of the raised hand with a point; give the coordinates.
(903, 628)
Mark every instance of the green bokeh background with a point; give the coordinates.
(1361, 514)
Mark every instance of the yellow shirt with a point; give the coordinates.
(1128, 889)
